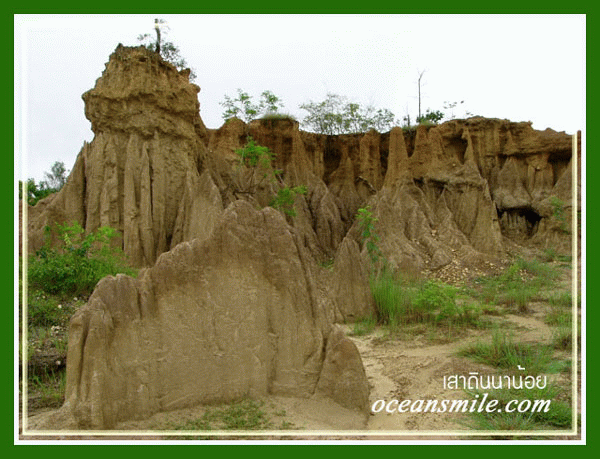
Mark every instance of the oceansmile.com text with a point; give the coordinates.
(461, 406)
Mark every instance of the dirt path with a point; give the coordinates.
(401, 370)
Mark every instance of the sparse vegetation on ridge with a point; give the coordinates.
(258, 159)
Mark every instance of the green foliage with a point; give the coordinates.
(336, 115)
(55, 180)
(559, 317)
(77, 263)
(246, 414)
(519, 284)
(550, 254)
(49, 389)
(244, 108)
(272, 119)
(47, 310)
(285, 199)
(364, 326)
(558, 211)
(561, 299)
(369, 237)
(35, 192)
(504, 352)
(559, 414)
(401, 302)
(166, 49)
(253, 155)
(432, 117)
(562, 338)
(328, 264)
(259, 159)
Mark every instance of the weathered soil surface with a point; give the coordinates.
(406, 366)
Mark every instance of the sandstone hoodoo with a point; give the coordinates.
(238, 298)
(235, 315)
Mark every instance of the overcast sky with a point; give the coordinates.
(521, 68)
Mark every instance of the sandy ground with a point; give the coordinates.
(411, 368)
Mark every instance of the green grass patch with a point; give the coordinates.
(271, 119)
(504, 352)
(48, 310)
(246, 414)
(327, 264)
(559, 317)
(562, 338)
(550, 255)
(48, 390)
(400, 302)
(517, 286)
(562, 299)
(364, 326)
(553, 410)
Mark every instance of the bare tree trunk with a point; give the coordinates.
(157, 27)
(420, 76)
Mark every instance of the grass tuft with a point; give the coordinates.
(504, 352)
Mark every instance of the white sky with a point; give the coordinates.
(522, 68)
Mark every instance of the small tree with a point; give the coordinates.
(166, 49)
(57, 177)
(431, 116)
(336, 115)
(35, 192)
(244, 108)
(285, 199)
(370, 238)
(55, 180)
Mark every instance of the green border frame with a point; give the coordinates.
(331, 7)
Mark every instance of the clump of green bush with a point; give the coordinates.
(75, 264)
(401, 302)
(285, 198)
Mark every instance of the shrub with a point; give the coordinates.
(78, 262)
(369, 237)
(337, 115)
(285, 199)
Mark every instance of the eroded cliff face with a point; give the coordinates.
(143, 166)
(236, 299)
